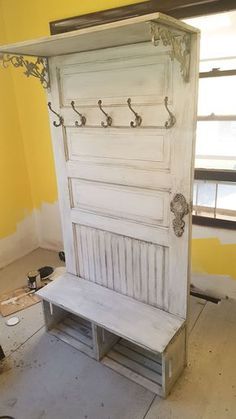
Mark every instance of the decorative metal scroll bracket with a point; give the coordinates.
(180, 46)
(38, 68)
(180, 208)
(172, 119)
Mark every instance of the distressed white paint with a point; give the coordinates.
(138, 268)
(117, 233)
(128, 31)
(101, 171)
(140, 323)
(112, 80)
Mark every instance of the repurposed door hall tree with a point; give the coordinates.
(122, 104)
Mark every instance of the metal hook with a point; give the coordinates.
(138, 119)
(108, 118)
(82, 117)
(172, 119)
(61, 120)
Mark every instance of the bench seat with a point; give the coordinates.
(142, 324)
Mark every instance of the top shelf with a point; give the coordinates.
(123, 32)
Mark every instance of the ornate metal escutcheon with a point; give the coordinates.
(180, 208)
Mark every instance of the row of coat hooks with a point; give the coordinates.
(133, 124)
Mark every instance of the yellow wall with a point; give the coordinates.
(26, 160)
(210, 255)
(15, 192)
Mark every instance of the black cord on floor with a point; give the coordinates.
(6, 417)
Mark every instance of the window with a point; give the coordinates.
(214, 200)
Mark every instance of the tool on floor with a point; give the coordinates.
(13, 321)
(34, 280)
(196, 292)
(45, 272)
(14, 299)
(61, 255)
(2, 355)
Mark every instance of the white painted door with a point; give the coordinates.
(117, 184)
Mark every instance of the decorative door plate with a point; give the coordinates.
(180, 208)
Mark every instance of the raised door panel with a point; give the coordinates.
(113, 76)
(149, 148)
(133, 204)
(109, 78)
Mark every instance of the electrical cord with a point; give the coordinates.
(6, 417)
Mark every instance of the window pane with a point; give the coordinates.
(216, 95)
(194, 193)
(225, 64)
(205, 201)
(226, 201)
(216, 145)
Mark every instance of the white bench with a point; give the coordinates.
(135, 339)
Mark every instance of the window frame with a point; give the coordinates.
(215, 174)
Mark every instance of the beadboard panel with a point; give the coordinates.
(121, 201)
(131, 267)
(113, 83)
(124, 146)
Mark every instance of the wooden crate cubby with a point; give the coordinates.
(71, 329)
(154, 371)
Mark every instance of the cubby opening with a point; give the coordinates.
(71, 329)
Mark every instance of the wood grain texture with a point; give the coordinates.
(132, 375)
(140, 323)
(129, 31)
(128, 266)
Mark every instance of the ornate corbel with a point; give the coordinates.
(179, 43)
(38, 68)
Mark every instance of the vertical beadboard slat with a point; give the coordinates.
(165, 274)
(129, 266)
(97, 259)
(103, 263)
(92, 276)
(115, 261)
(80, 255)
(144, 271)
(136, 269)
(85, 256)
(109, 264)
(152, 275)
(159, 276)
(122, 264)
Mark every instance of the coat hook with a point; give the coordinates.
(108, 118)
(82, 117)
(138, 119)
(61, 120)
(172, 119)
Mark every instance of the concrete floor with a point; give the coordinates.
(43, 377)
